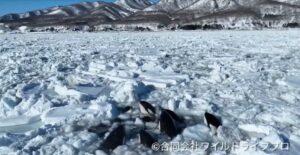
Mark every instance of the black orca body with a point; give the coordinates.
(146, 108)
(146, 139)
(174, 116)
(212, 120)
(114, 139)
(100, 129)
(146, 119)
(170, 123)
(125, 109)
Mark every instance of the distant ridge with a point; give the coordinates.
(168, 14)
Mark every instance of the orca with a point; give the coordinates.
(174, 116)
(212, 120)
(146, 108)
(115, 138)
(146, 139)
(146, 119)
(100, 129)
(125, 109)
(170, 123)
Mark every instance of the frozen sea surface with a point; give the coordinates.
(53, 87)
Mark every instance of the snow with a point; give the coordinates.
(23, 29)
(19, 124)
(55, 86)
(198, 132)
(57, 12)
(64, 114)
(133, 5)
(257, 129)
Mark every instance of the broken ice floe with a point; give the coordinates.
(243, 76)
(159, 78)
(20, 124)
(60, 115)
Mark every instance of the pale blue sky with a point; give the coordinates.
(19, 6)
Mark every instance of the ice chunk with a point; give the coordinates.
(273, 138)
(59, 115)
(198, 132)
(10, 101)
(125, 93)
(20, 124)
(23, 29)
(80, 92)
(257, 130)
(293, 81)
(64, 91)
(96, 67)
(89, 89)
(35, 143)
(229, 134)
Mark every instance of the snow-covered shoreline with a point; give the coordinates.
(60, 84)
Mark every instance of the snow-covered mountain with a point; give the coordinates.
(134, 5)
(72, 14)
(232, 13)
(186, 14)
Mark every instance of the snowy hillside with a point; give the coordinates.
(84, 13)
(134, 5)
(167, 14)
(232, 13)
(67, 93)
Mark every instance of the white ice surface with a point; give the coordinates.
(52, 83)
